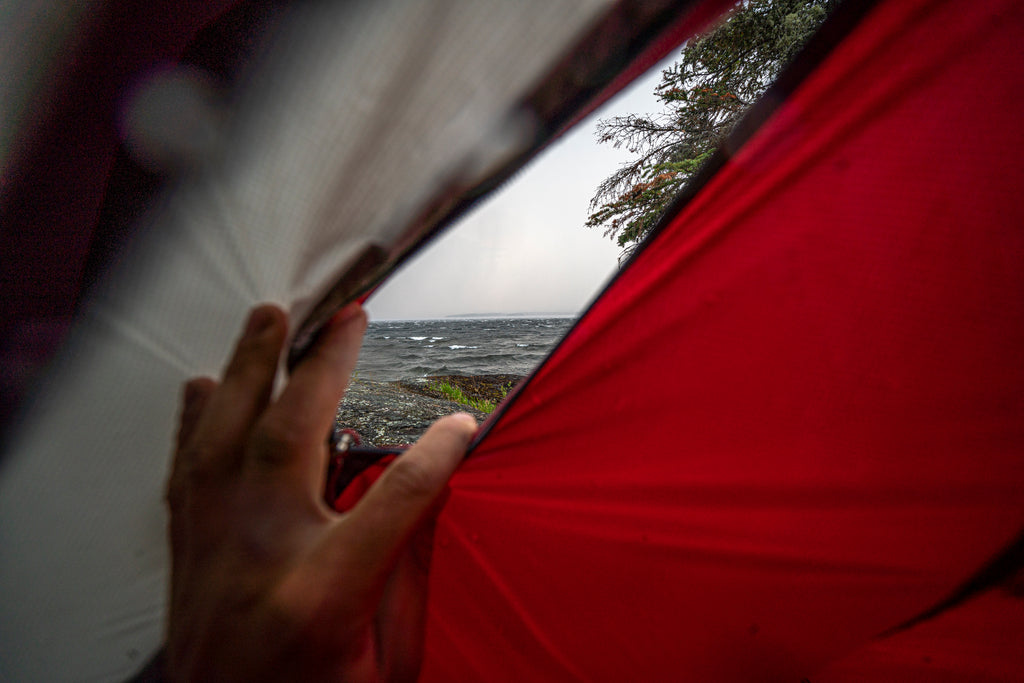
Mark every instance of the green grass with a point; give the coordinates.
(453, 393)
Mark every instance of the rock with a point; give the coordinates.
(386, 414)
(391, 413)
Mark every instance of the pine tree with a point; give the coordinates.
(704, 94)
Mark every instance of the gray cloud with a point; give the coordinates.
(525, 249)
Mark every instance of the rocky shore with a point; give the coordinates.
(388, 413)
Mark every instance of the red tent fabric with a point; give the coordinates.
(785, 444)
(795, 422)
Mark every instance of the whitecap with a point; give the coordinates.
(522, 345)
(457, 346)
(417, 338)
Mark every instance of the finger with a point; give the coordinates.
(380, 525)
(195, 394)
(244, 391)
(352, 563)
(290, 440)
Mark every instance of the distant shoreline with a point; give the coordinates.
(511, 315)
(484, 316)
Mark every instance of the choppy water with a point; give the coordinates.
(407, 349)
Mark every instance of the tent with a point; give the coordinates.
(785, 443)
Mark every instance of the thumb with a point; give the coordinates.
(405, 494)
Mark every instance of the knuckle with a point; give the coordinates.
(195, 468)
(252, 360)
(189, 474)
(275, 440)
(195, 458)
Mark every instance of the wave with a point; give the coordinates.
(411, 349)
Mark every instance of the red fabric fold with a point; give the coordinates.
(796, 421)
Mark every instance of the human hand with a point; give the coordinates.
(267, 583)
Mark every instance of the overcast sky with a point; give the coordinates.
(526, 248)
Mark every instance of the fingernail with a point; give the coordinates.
(260, 320)
(466, 419)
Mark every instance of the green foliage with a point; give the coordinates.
(454, 393)
(704, 94)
